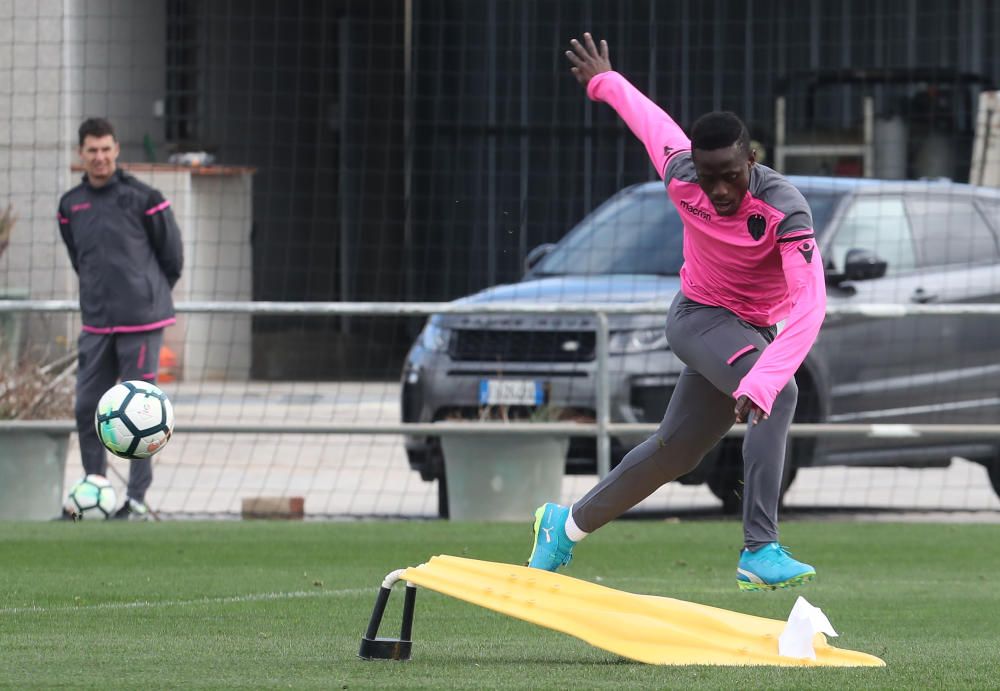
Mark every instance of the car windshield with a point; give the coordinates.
(822, 204)
(640, 232)
(636, 232)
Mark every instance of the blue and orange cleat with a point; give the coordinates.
(552, 548)
(771, 567)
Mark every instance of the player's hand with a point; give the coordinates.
(748, 411)
(588, 61)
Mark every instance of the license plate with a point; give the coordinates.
(511, 392)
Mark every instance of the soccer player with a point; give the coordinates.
(126, 249)
(751, 261)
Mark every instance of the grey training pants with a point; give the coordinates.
(719, 349)
(104, 360)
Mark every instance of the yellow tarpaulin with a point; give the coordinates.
(648, 628)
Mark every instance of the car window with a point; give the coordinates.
(950, 230)
(877, 224)
(990, 208)
(821, 204)
(632, 233)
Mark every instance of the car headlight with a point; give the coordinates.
(637, 341)
(435, 338)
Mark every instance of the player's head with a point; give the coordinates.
(99, 150)
(720, 149)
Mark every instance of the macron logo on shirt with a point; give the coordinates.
(695, 211)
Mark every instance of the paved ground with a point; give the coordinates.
(367, 475)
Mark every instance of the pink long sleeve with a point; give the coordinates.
(803, 269)
(661, 136)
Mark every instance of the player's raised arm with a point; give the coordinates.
(661, 136)
(588, 61)
(803, 269)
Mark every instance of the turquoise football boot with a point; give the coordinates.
(771, 567)
(552, 548)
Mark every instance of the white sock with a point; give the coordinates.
(573, 531)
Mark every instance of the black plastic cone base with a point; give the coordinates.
(373, 648)
(385, 649)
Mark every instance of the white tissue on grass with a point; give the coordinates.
(803, 623)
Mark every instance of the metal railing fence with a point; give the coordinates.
(603, 429)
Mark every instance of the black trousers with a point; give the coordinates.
(104, 360)
(718, 349)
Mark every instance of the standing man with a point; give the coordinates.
(751, 261)
(125, 247)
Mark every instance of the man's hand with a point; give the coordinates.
(748, 411)
(588, 61)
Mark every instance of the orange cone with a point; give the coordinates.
(168, 365)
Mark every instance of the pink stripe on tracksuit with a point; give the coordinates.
(740, 353)
(136, 328)
(159, 207)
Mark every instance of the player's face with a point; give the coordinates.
(99, 156)
(724, 176)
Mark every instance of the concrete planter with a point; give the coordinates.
(502, 477)
(32, 467)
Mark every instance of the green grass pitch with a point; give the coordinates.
(284, 605)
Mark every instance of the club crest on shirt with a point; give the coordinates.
(756, 225)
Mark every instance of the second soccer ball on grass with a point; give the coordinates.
(91, 497)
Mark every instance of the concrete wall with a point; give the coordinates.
(34, 159)
(61, 61)
(115, 67)
(214, 212)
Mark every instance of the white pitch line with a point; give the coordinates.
(232, 599)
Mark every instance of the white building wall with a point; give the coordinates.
(61, 61)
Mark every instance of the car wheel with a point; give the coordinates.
(442, 483)
(726, 479)
(993, 468)
(419, 460)
(796, 451)
(788, 474)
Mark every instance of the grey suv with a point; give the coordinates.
(904, 242)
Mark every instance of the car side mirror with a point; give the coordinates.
(863, 265)
(536, 255)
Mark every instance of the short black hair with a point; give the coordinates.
(96, 127)
(718, 130)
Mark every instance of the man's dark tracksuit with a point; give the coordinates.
(125, 247)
